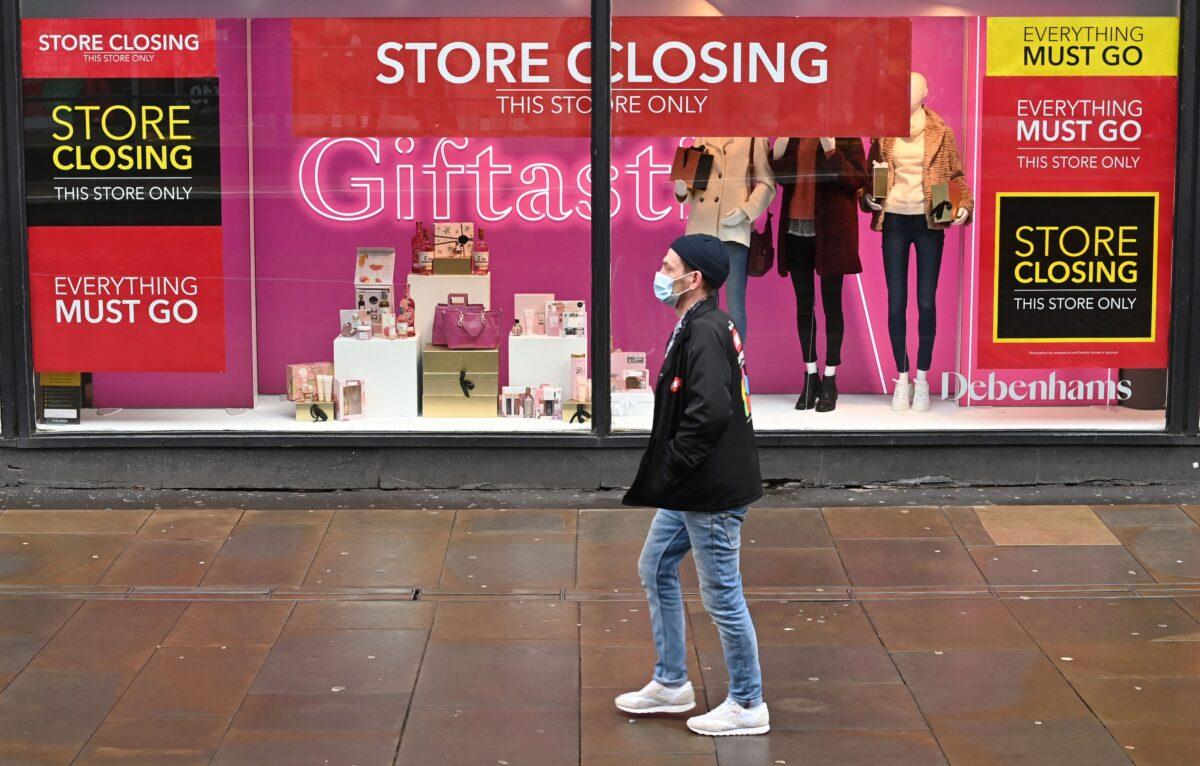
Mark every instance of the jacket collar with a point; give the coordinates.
(935, 131)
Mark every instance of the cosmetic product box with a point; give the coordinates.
(348, 399)
(550, 402)
(459, 383)
(574, 320)
(453, 239)
(534, 322)
(306, 412)
(628, 371)
(299, 374)
(509, 402)
(879, 182)
(451, 265)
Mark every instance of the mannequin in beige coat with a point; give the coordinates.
(730, 205)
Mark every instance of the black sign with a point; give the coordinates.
(122, 152)
(1075, 267)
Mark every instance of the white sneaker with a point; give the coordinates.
(920, 402)
(902, 398)
(730, 718)
(656, 698)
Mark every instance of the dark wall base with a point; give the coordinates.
(469, 469)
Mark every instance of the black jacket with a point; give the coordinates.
(701, 455)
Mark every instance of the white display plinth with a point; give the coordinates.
(537, 359)
(428, 290)
(390, 371)
(633, 404)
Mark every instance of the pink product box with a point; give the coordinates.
(302, 380)
(629, 371)
(348, 399)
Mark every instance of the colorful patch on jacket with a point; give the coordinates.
(676, 384)
(741, 357)
(746, 393)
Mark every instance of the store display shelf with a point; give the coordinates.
(861, 412)
(274, 413)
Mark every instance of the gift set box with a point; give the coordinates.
(531, 402)
(303, 383)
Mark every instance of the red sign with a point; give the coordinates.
(1075, 221)
(127, 298)
(741, 76)
(118, 48)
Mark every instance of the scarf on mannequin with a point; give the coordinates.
(804, 195)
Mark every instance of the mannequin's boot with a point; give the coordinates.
(811, 393)
(827, 401)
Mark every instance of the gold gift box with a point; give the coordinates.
(304, 412)
(443, 371)
(451, 266)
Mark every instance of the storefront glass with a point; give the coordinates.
(227, 217)
(313, 224)
(1018, 274)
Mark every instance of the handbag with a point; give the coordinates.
(467, 328)
(455, 301)
(762, 243)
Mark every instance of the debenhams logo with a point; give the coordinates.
(955, 386)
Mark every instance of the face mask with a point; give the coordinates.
(664, 287)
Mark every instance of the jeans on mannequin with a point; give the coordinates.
(802, 266)
(735, 284)
(902, 233)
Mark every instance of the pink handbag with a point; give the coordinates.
(439, 315)
(468, 328)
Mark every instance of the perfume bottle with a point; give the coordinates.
(479, 256)
(406, 320)
(527, 405)
(416, 247)
(516, 330)
(425, 255)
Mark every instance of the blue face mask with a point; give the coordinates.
(664, 287)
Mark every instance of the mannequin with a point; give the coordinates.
(730, 204)
(925, 158)
(818, 242)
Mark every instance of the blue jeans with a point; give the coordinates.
(901, 233)
(735, 285)
(714, 539)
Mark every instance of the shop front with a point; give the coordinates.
(399, 226)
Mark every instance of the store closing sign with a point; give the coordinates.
(123, 193)
(532, 76)
(1078, 129)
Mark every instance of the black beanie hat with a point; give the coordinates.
(706, 254)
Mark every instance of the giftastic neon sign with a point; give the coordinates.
(359, 179)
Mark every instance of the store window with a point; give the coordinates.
(935, 219)
(376, 223)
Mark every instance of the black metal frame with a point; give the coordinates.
(17, 424)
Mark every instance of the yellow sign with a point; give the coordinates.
(1114, 46)
(59, 378)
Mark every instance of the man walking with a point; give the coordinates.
(701, 470)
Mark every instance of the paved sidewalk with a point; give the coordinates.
(889, 635)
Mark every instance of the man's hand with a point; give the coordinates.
(961, 218)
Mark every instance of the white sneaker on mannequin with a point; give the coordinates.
(902, 398)
(920, 402)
